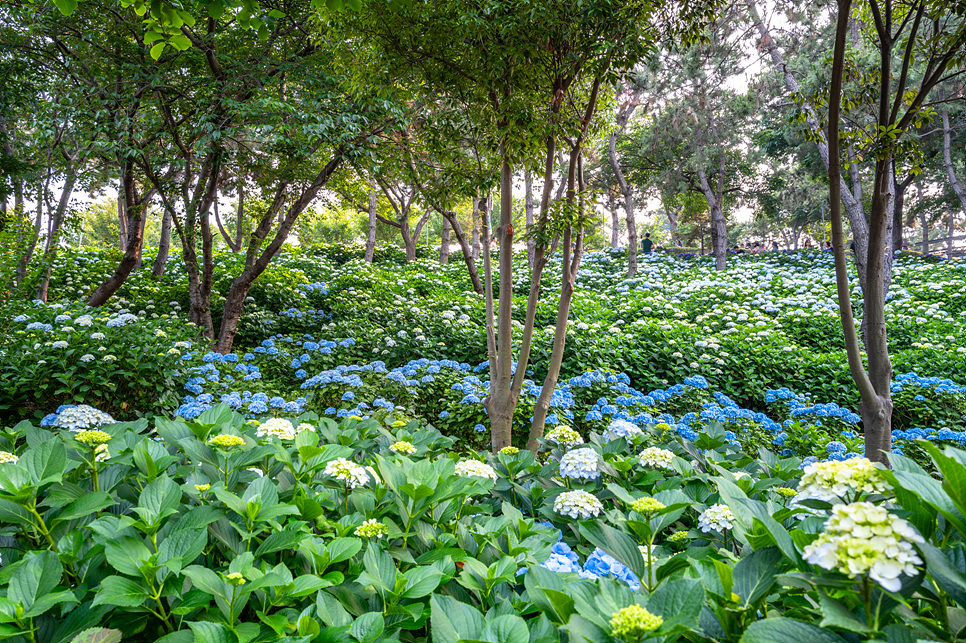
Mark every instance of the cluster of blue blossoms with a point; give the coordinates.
(598, 564)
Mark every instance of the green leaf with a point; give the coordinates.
(368, 627)
(158, 49)
(678, 602)
(331, 611)
(208, 632)
(206, 580)
(508, 628)
(617, 544)
(45, 463)
(183, 546)
(66, 7)
(37, 575)
(126, 554)
(754, 575)
(342, 549)
(121, 592)
(98, 635)
(786, 630)
(837, 616)
(452, 620)
(48, 601)
(280, 540)
(420, 581)
(160, 499)
(86, 505)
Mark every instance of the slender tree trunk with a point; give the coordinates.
(528, 209)
(876, 403)
(164, 247)
(229, 241)
(628, 195)
(615, 223)
(924, 224)
(954, 183)
(444, 242)
(476, 230)
(240, 216)
(465, 249)
(56, 225)
(719, 230)
(143, 224)
(371, 230)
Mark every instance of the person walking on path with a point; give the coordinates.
(647, 244)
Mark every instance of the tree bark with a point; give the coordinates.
(56, 225)
(615, 223)
(444, 242)
(454, 223)
(623, 117)
(528, 210)
(240, 215)
(371, 230)
(719, 229)
(164, 247)
(134, 207)
(476, 230)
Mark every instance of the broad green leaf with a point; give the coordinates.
(160, 498)
(837, 616)
(86, 505)
(46, 462)
(617, 544)
(420, 581)
(754, 576)
(452, 620)
(368, 627)
(121, 592)
(98, 635)
(37, 575)
(509, 628)
(786, 630)
(280, 540)
(126, 554)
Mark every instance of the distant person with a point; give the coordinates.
(647, 244)
(852, 246)
(808, 243)
(756, 249)
(828, 246)
(737, 250)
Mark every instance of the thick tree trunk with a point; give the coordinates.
(954, 183)
(122, 223)
(164, 247)
(371, 230)
(672, 222)
(444, 242)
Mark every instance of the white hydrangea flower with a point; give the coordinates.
(656, 457)
(580, 464)
(578, 505)
(621, 429)
(861, 538)
(475, 468)
(716, 518)
(6, 457)
(348, 472)
(278, 427)
(305, 426)
(833, 480)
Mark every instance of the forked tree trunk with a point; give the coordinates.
(56, 225)
(371, 230)
(257, 259)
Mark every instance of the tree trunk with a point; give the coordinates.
(450, 216)
(954, 183)
(951, 230)
(56, 224)
(476, 230)
(134, 208)
(229, 241)
(240, 216)
(615, 240)
(164, 247)
(672, 221)
(444, 242)
(719, 230)
(122, 223)
(371, 230)
(528, 210)
(924, 224)
(628, 195)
